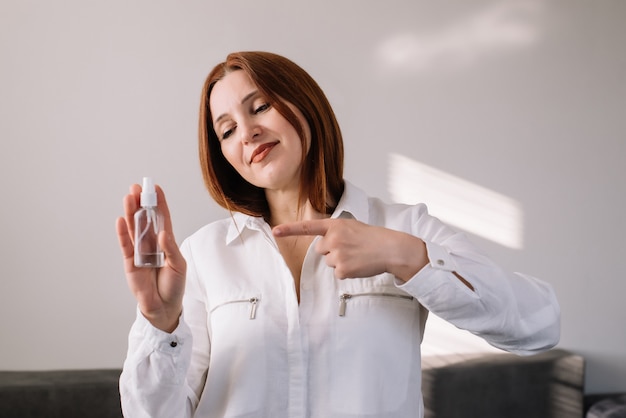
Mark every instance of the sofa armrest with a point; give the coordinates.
(496, 385)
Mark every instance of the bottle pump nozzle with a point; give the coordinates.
(148, 194)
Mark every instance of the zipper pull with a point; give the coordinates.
(343, 302)
(253, 302)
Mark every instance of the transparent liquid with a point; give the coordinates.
(147, 250)
(149, 259)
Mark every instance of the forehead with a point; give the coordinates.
(229, 91)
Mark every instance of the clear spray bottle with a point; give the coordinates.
(148, 253)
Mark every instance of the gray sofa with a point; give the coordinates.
(548, 385)
(60, 394)
(502, 385)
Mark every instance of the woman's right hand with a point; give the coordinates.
(159, 291)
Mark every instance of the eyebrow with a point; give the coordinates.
(245, 99)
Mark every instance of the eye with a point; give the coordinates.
(227, 133)
(262, 108)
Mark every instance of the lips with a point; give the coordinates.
(261, 152)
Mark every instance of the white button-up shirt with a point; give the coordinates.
(245, 347)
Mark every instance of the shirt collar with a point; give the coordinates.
(353, 203)
(240, 222)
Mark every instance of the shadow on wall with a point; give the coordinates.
(501, 26)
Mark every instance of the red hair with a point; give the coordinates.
(281, 81)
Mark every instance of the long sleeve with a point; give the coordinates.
(163, 374)
(514, 312)
(153, 382)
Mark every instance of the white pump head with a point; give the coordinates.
(148, 194)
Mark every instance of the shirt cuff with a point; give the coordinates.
(163, 341)
(439, 257)
(433, 274)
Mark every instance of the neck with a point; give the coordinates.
(286, 207)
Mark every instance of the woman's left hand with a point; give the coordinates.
(355, 249)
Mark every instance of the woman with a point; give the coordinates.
(311, 299)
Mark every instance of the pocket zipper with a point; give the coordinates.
(252, 301)
(344, 297)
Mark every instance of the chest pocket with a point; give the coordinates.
(238, 334)
(252, 301)
(375, 341)
(344, 298)
(234, 320)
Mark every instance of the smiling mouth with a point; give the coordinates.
(261, 152)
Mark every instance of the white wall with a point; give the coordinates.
(525, 100)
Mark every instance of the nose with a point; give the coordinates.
(249, 131)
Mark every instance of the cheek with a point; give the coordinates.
(229, 150)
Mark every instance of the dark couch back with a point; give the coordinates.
(503, 385)
(60, 394)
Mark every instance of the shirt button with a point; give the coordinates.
(440, 262)
(173, 344)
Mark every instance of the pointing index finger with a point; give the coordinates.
(311, 227)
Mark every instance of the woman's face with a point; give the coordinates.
(255, 138)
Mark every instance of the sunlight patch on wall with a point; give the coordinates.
(456, 201)
(500, 26)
